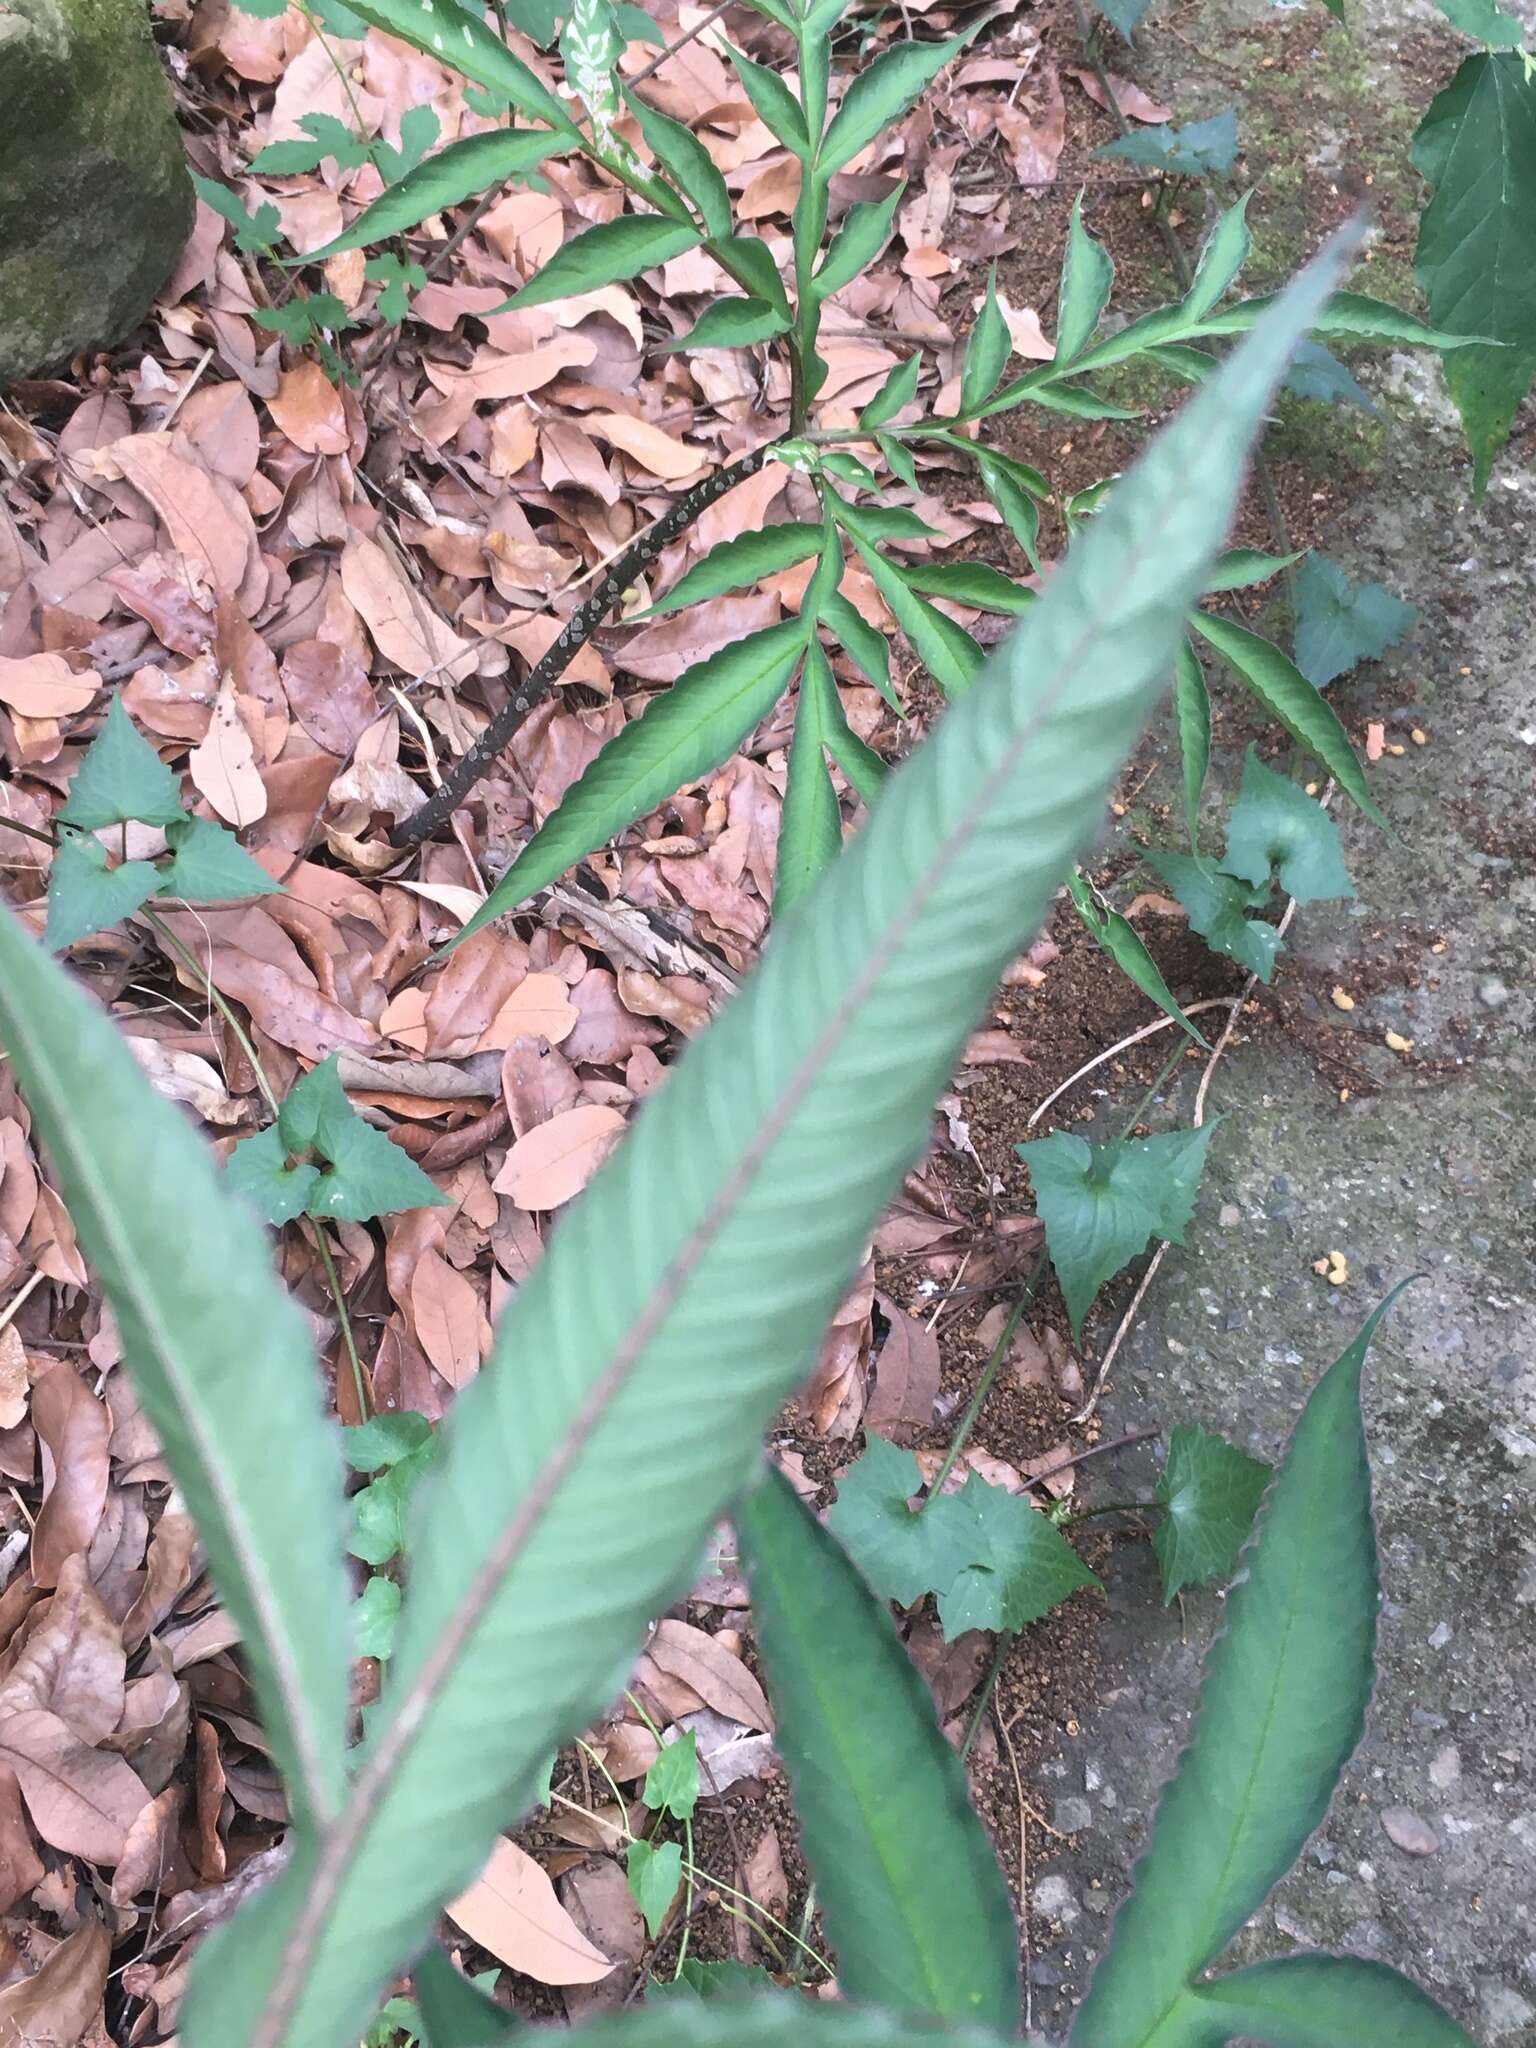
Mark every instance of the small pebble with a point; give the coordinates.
(1071, 1816)
(1445, 1768)
(1492, 992)
(1440, 1635)
(1342, 999)
(1408, 1831)
(1397, 1043)
(1229, 1216)
(1419, 736)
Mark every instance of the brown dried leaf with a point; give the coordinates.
(73, 1662)
(1129, 97)
(224, 767)
(20, 1865)
(330, 693)
(74, 1428)
(54, 2007)
(15, 1381)
(45, 686)
(539, 1007)
(199, 518)
(450, 1324)
(307, 408)
(81, 1800)
(651, 448)
(716, 1674)
(553, 1162)
(906, 1376)
(512, 1911)
(404, 626)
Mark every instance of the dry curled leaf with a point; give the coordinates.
(74, 1428)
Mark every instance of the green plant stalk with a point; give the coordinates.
(269, 1095)
(1006, 1639)
(984, 1385)
(1152, 1093)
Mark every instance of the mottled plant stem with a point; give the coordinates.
(578, 629)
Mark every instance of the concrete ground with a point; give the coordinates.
(1428, 1859)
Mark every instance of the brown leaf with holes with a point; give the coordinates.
(512, 1911)
(906, 1376)
(73, 1428)
(716, 1674)
(56, 2006)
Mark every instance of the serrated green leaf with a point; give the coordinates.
(881, 93)
(1103, 1204)
(866, 644)
(865, 230)
(209, 865)
(1276, 827)
(777, 108)
(1241, 568)
(699, 723)
(1087, 275)
(1212, 1491)
(655, 1872)
(1287, 696)
(456, 2014)
(1225, 252)
(1312, 2001)
(1199, 149)
(1351, 316)
(255, 233)
(1020, 513)
(1123, 943)
(903, 1555)
(399, 280)
(1286, 1688)
(734, 564)
(973, 583)
(946, 650)
(86, 894)
(810, 825)
(1477, 147)
(218, 1354)
(1339, 623)
(1218, 906)
(1024, 1565)
(987, 350)
(899, 389)
(455, 174)
(672, 1782)
(693, 169)
(1192, 716)
(683, 1323)
(731, 323)
(610, 253)
(259, 1172)
(462, 40)
(374, 1618)
(121, 778)
(384, 1439)
(909, 1889)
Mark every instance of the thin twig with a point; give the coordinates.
(961, 1437)
(1123, 1045)
(682, 43)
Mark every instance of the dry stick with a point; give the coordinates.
(984, 1385)
(1123, 1044)
(682, 43)
(578, 629)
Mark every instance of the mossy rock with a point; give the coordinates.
(95, 201)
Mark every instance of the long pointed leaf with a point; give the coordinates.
(707, 713)
(1318, 2001)
(461, 39)
(218, 1354)
(775, 2021)
(811, 825)
(454, 174)
(910, 1892)
(1283, 1705)
(732, 564)
(686, 1290)
(612, 252)
(1192, 715)
(1286, 695)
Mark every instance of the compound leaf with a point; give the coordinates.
(914, 1904)
(260, 1171)
(1200, 149)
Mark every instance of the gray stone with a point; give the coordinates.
(1071, 1816)
(95, 201)
(1493, 993)
(1409, 1831)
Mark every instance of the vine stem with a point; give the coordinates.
(269, 1095)
(984, 1385)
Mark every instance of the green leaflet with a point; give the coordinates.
(899, 389)
(1339, 623)
(375, 1617)
(1477, 147)
(811, 825)
(865, 230)
(1087, 274)
(1240, 568)
(655, 1872)
(1014, 500)
(120, 778)
(85, 895)
(455, 174)
(1351, 315)
(1103, 1204)
(946, 650)
(1287, 696)
(454, 2012)
(732, 323)
(862, 642)
(678, 737)
(1311, 2001)
(972, 583)
(776, 105)
(1192, 715)
(1225, 253)
(1212, 1491)
(638, 1363)
(914, 1904)
(612, 252)
(218, 1354)
(1283, 1704)
(1123, 943)
(986, 351)
(462, 39)
(733, 564)
(1218, 907)
(881, 93)
(693, 169)
(1276, 826)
